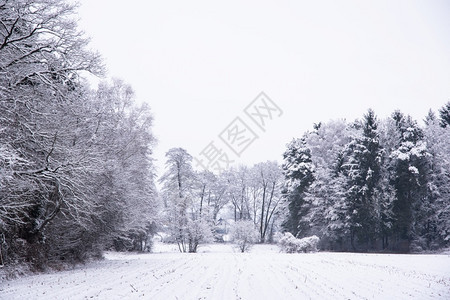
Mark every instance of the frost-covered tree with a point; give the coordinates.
(362, 167)
(436, 227)
(211, 192)
(127, 181)
(177, 188)
(68, 158)
(41, 53)
(327, 209)
(267, 180)
(325, 198)
(238, 191)
(41, 96)
(376, 184)
(444, 114)
(298, 171)
(410, 166)
(244, 234)
(204, 185)
(187, 226)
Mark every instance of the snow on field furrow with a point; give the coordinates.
(326, 278)
(253, 278)
(298, 270)
(406, 273)
(114, 284)
(142, 281)
(224, 284)
(306, 280)
(114, 276)
(352, 281)
(279, 281)
(360, 277)
(218, 281)
(127, 280)
(163, 279)
(322, 281)
(291, 288)
(407, 264)
(263, 274)
(145, 280)
(218, 277)
(44, 286)
(185, 282)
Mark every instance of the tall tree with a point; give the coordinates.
(410, 180)
(444, 114)
(362, 167)
(298, 172)
(127, 182)
(183, 216)
(268, 178)
(41, 116)
(436, 226)
(238, 191)
(62, 144)
(177, 184)
(326, 199)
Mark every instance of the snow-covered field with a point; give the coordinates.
(220, 273)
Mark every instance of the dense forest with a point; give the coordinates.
(372, 185)
(77, 174)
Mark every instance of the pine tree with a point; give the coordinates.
(325, 199)
(363, 171)
(430, 118)
(327, 208)
(409, 164)
(436, 227)
(444, 114)
(298, 172)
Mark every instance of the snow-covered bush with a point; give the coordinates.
(197, 232)
(290, 244)
(244, 235)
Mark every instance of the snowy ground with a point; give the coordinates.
(220, 273)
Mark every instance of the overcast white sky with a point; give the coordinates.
(200, 63)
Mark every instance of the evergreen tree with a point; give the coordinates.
(327, 209)
(298, 172)
(325, 199)
(409, 164)
(363, 171)
(436, 227)
(444, 114)
(430, 118)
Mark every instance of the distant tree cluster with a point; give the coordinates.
(194, 200)
(371, 185)
(76, 174)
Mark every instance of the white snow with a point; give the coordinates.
(220, 272)
(413, 170)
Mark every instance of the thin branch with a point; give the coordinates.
(9, 33)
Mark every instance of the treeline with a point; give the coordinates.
(371, 185)
(76, 174)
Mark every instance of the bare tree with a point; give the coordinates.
(183, 213)
(238, 191)
(268, 179)
(177, 181)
